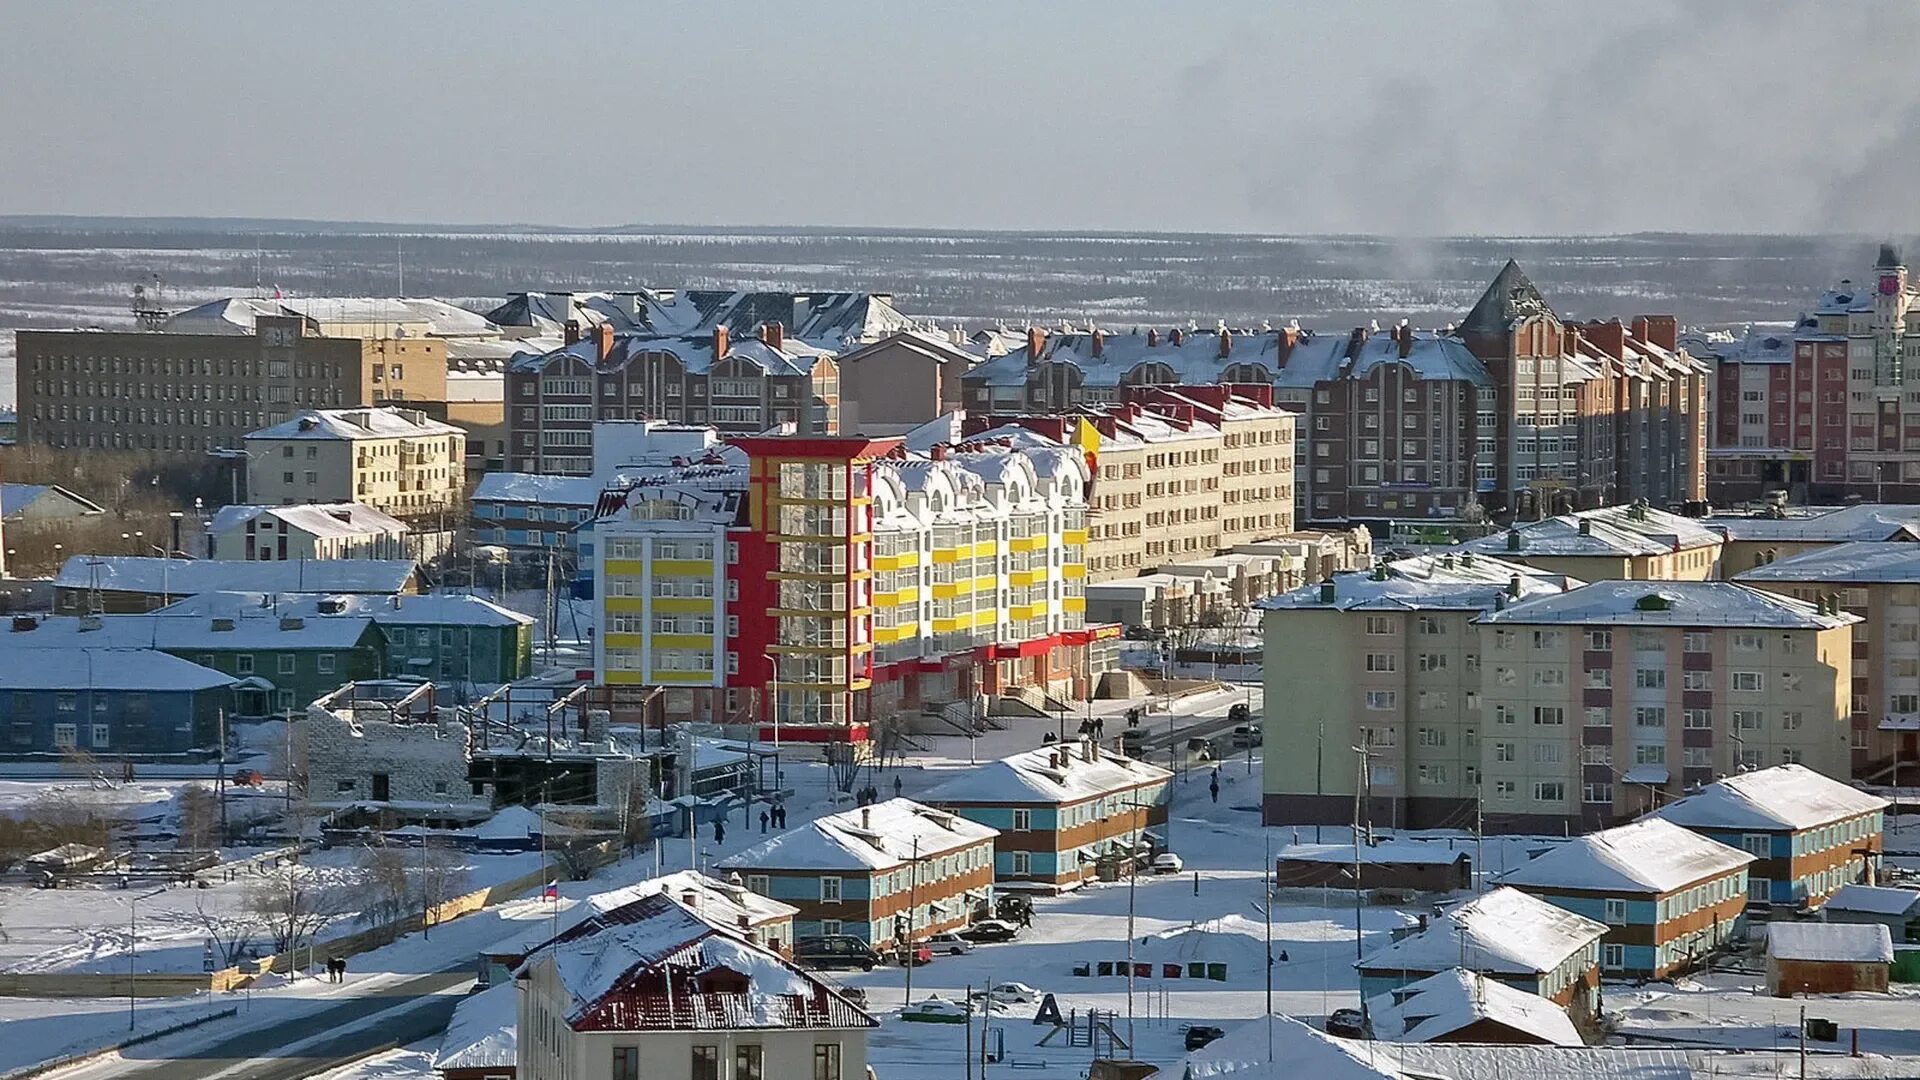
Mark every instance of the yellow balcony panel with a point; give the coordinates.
(623, 641)
(886, 562)
(682, 641)
(683, 567)
(1073, 570)
(984, 549)
(1074, 536)
(947, 626)
(623, 678)
(625, 568)
(946, 555)
(626, 605)
(1074, 603)
(683, 678)
(945, 590)
(685, 605)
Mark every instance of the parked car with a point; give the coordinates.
(1199, 1035)
(937, 1010)
(1013, 908)
(831, 951)
(1017, 993)
(1239, 713)
(1246, 735)
(950, 943)
(855, 994)
(991, 930)
(1201, 749)
(1347, 1023)
(1168, 863)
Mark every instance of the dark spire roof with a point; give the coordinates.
(1510, 296)
(1889, 258)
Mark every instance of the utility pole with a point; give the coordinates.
(1479, 835)
(220, 775)
(1266, 910)
(1319, 769)
(913, 908)
(1359, 786)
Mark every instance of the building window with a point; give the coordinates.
(1380, 700)
(1613, 956)
(1022, 863)
(826, 1061)
(65, 736)
(706, 1063)
(1380, 662)
(1747, 681)
(749, 1063)
(1616, 912)
(1549, 791)
(286, 666)
(1022, 820)
(243, 664)
(829, 890)
(1549, 715)
(99, 737)
(324, 663)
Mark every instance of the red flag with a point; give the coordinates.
(553, 891)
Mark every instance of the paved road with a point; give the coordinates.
(356, 1032)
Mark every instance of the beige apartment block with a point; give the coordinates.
(204, 387)
(1387, 659)
(400, 461)
(1602, 702)
(1880, 583)
(1633, 542)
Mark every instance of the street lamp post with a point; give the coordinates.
(773, 709)
(133, 948)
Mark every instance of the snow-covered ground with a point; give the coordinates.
(1733, 1010)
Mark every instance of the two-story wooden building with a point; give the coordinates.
(1811, 834)
(1505, 935)
(896, 868)
(1667, 896)
(1059, 810)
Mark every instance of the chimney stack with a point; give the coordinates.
(1226, 343)
(866, 817)
(773, 334)
(573, 331)
(719, 343)
(1036, 341)
(1153, 338)
(1098, 343)
(1175, 336)
(603, 340)
(1405, 333)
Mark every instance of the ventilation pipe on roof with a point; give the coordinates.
(1327, 591)
(866, 818)
(1513, 587)
(1499, 601)
(1466, 559)
(1513, 539)
(1586, 526)
(1446, 561)
(1153, 338)
(1226, 343)
(1175, 336)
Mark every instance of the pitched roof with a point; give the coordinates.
(1840, 943)
(538, 488)
(1032, 776)
(483, 1033)
(1196, 359)
(56, 668)
(1649, 855)
(1861, 562)
(1782, 797)
(1868, 521)
(1671, 603)
(1463, 582)
(1441, 1004)
(1872, 899)
(437, 609)
(15, 498)
(1509, 296)
(877, 837)
(1505, 931)
(187, 577)
(366, 423)
(1616, 531)
(217, 626)
(326, 520)
(719, 902)
(1300, 1052)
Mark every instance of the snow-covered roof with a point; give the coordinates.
(1450, 581)
(367, 423)
(719, 902)
(1442, 1004)
(436, 609)
(56, 668)
(1386, 852)
(1756, 345)
(15, 498)
(483, 1032)
(1784, 797)
(538, 488)
(877, 837)
(1872, 899)
(1837, 943)
(1505, 931)
(325, 520)
(185, 577)
(1868, 521)
(1046, 774)
(1300, 1052)
(1608, 532)
(695, 353)
(1649, 855)
(1671, 603)
(1859, 563)
(211, 621)
(237, 315)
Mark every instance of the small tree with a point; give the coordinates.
(199, 814)
(844, 765)
(294, 905)
(395, 883)
(231, 931)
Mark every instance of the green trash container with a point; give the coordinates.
(1906, 964)
(1217, 972)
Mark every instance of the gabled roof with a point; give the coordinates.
(1722, 604)
(1868, 521)
(367, 423)
(326, 520)
(878, 837)
(1647, 856)
(1032, 776)
(58, 668)
(1506, 931)
(188, 577)
(438, 609)
(483, 1033)
(538, 488)
(1439, 1005)
(15, 498)
(1615, 531)
(1783, 797)
(1872, 899)
(238, 625)
(719, 902)
(1510, 296)
(1859, 563)
(1452, 582)
(1830, 943)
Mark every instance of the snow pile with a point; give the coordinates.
(483, 1032)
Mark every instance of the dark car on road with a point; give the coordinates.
(828, 951)
(1200, 1035)
(991, 930)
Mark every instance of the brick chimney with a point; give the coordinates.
(1609, 337)
(773, 334)
(1405, 333)
(1356, 341)
(1661, 330)
(1153, 338)
(1283, 343)
(1226, 343)
(603, 340)
(1175, 336)
(719, 342)
(1097, 343)
(573, 331)
(1036, 341)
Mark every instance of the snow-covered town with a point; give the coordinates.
(1086, 540)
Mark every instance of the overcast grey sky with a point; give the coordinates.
(1286, 116)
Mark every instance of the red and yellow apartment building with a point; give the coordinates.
(824, 583)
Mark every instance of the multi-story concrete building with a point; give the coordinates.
(890, 872)
(1835, 419)
(1667, 896)
(396, 460)
(1607, 700)
(200, 384)
(1811, 834)
(657, 991)
(1780, 532)
(1515, 411)
(903, 380)
(1388, 659)
(826, 582)
(1061, 811)
(736, 384)
(1614, 543)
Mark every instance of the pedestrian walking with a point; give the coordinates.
(763, 823)
(719, 830)
(1214, 789)
(896, 785)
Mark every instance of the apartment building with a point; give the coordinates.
(891, 872)
(1668, 896)
(395, 460)
(1879, 582)
(1256, 454)
(1388, 659)
(1811, 834)
(823, 583)
(1834, 418)
(904, 379)
(1607, 700)
(193, 391)
(1506, 936)
(738, 385)
(1780, 532)
(655, 990)
(1513, 411)
(1613, 543)
(1064, 813)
